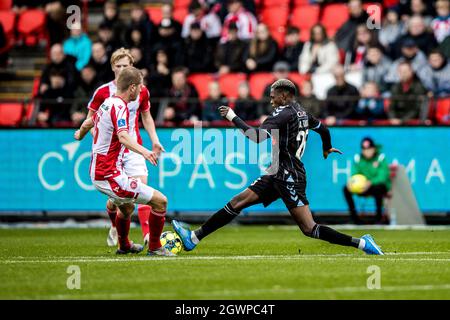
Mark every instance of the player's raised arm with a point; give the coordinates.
(87, 125)
(255, 134)
(324, 132)
(131, 144)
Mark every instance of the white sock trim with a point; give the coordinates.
(194, 238)
(362, 243)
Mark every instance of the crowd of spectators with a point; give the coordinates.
(358, 73)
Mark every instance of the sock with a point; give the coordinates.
(194, 238)
(112, 216)
(144, 216)
(123, 229)
(361, 243)
(328, 234)
(216, 221)
(156, 221)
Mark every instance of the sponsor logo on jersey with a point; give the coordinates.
(133, 184)
(121, 123)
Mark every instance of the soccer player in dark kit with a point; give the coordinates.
(290, 123)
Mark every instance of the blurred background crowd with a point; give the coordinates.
(351, 68)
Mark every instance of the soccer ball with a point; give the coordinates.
(357, 183)
(171, 241)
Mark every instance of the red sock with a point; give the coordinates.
(112, 216)
(156, 222)
(123, 229)
(144, 216)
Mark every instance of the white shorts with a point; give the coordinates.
(123, 189)
(134, 164)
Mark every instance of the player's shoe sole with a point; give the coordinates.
(134, 248)
(112, 238)
(185, 235)
(371, 247)
(161, 252)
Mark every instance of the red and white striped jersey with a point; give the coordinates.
(245, 22)
(141, 104)
(111, 118)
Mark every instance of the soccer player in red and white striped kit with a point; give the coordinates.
(152, 223)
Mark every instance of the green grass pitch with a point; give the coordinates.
(237, 262)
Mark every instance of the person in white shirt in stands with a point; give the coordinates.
(209, 21)
(245, 21)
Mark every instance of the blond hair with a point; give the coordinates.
(120, 54)
(127, 77)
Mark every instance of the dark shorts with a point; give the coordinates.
(268, 188)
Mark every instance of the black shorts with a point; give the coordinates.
(268, 188)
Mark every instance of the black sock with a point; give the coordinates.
(328, 234)
(216, 221)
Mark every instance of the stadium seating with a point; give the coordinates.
(10, 113)
(333, 17)
(181, 4)
(304, 18)
(297, 3)
(200, 82)
(5, 4)
(180, 13)
(443, 111)
(274, 17)
(229, 83)
(154, 14)
(7, 19)
(276, 3)
(258, 82)
(30, 26)
(298, 78)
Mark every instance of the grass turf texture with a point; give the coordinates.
(250, 262)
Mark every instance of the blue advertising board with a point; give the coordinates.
(44, 169)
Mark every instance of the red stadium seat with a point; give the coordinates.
(274, 16)
(31, 25)
(258, 82)
(298, 78)
(181, 4)
(10, 114)
(297, 3)
(200, 82)
(443, 110)
(276, 3)
(229, 83)
(5, 4)
(278, 34)
(304, 18)
(154, 14)
(7, 19)
(180, 13)
(333, 17)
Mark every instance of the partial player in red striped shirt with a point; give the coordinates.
(112, 138)
(152, 222)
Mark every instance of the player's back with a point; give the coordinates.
(107, 151)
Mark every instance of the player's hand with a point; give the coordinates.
(223, 110)
(152, 157)
(158, 148)
(77, 135)
(327, 152)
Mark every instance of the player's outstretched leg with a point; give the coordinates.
(144, 215)
(123, 221)
(302, 215)
(219, 219)
(156, 221)
(111, 209)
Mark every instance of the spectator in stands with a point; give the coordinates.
(86, 87)
(140, 21)
(418, 32)
(55, 104)
(170, 42)
(100, 62)
(376, 66)
(418, 8)
(280, 71)
(111, 19)
(167, 13)
(209, 21)
(441, 24)
(342, 98)
(106, 36)
(371, 105)
(435, 76)
(79, 46)
(231, 53)
(140, 61)
(411, 54)
(292, 48)
(214, 100)
(391, 29)
(158, 80)
(309, 101)
(372, 164)
(365, 38)
(183, 105)
(59, 61)
(198, 52)
(319, 54)
(244, 20)
(445, 47)
(345, 36)
(245, 105)
(406, 101)
(262, 52)
(56, 20)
